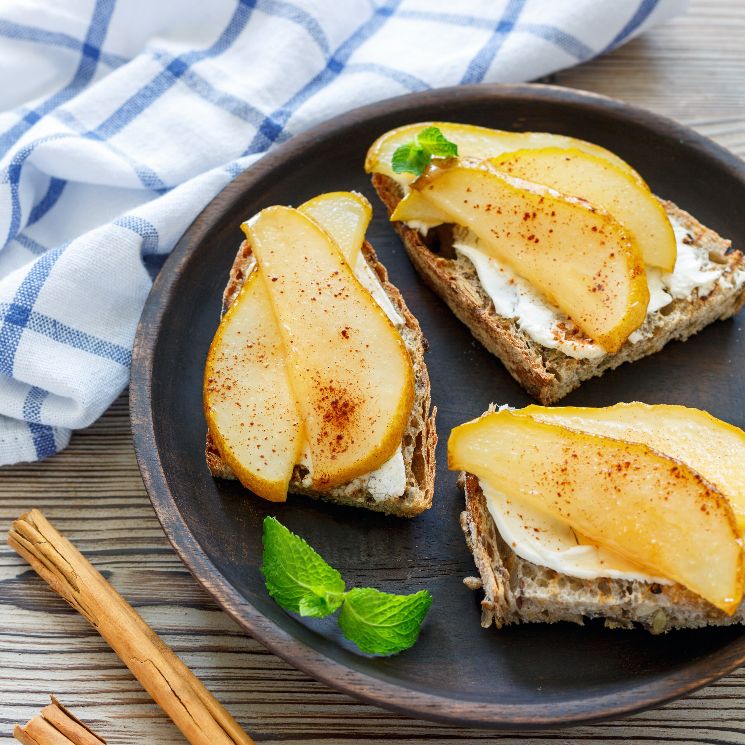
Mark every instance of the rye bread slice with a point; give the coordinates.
(518, 591)
(420, 436)
(548, 374)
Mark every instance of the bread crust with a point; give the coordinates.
(548, 374)
(518, 591)
(420, 435)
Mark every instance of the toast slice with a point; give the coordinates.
(549, 374)
(518, 591)
(420, 437)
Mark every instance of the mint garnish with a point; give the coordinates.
(414, 157)
(296, 576)
(299, 579)
(381, 623)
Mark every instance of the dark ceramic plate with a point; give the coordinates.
(525, 676)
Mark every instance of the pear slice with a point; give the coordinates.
(643, 505)
(708, 445)
(344, 215)
(349, 369)
(578, 256)
(415, 207)
(476, 142)
(625, 195)
(248, 402)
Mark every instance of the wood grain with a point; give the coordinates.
(692, 70)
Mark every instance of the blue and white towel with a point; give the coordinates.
(121, 120)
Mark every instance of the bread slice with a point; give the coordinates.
(518, 591)
(420, 437)
(548, 374)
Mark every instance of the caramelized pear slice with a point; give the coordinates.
(476, 142)
(711, 447)
(248, 402)
(621, 192)
(348, 367)
(625, 496)
(344, 215)
(578, 256)
(416, 208)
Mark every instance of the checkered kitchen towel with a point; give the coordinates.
(121, 120)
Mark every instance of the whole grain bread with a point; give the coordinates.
(518, 591)
(420, 436)
(549, 374)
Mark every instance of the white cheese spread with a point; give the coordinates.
(515, 298)
(387, 481)
(549, 542)
(369, 280)
(422, 227)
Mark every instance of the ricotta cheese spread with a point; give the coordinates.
(515, 298)
(547, 541)
(387, 481)
(369, 280)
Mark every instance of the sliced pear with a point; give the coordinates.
(625, 496)
(248, 402)
(350, 372)
(344, 215)
(578, 256)
(626, 196)
(476, 142)
(416, 207)
(708, 445)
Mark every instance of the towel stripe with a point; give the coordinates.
(13, 174)
(90, 53)
(643, 11)
(404, 79)
(227, 101)
(146, 230)
(54, 192)
(148, 177)
(479, 65)
(299, 17)
(15, 315)
(557, 36)
(21, 32)
(271, 128)
(173, 72)
(565, 41)
(29, 243)
(32, 404)
(20, 317)
(42, 436)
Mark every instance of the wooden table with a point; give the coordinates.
(693, 70)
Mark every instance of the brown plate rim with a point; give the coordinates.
(357, 684)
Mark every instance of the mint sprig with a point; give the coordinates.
(296, 576)
(300, 581)
(414, 157)
(381, 623)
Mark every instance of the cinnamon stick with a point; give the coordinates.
(193, 709)
(56, 726)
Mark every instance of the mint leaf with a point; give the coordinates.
(434, 142)
(414, 157)
(296, 576)
(381, 623)
(302, 582)
(409, 158)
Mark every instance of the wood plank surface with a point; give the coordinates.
(693, 70)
